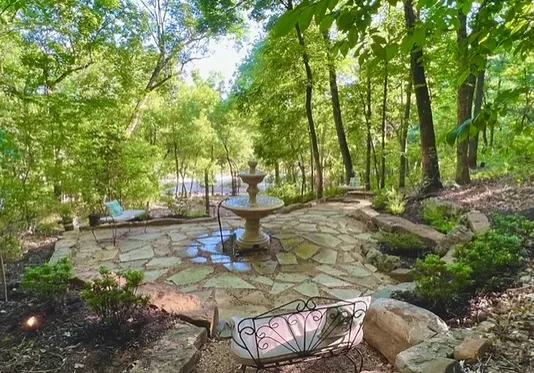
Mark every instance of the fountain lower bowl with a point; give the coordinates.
(265, 205)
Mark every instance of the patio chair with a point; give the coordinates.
(118, 215)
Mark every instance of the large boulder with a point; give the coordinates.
(392, 326)
(187, 307)
(457, 236)
(364, 214)
(477, 221)
(452, 208)
(396, 224)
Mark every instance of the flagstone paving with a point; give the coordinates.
(319, 254)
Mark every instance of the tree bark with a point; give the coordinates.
(367, 179)
(338, 120)
(383, 130)
(479, 95)
(404, 135)
(177, 168)
(206, 191)
(429, 153)
(276, 173)
(464, 102)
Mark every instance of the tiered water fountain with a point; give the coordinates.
(252, 208)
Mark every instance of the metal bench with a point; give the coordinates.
(300, 331)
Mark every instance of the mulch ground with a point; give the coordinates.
(67, 337)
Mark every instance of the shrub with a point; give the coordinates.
(49, 281)
(439, 217)
(395, 202)
(113, 296)
(380, 200)
(493, 257)
(514, 225)
(440, 283)
(402, 244)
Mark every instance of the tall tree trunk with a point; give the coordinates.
(375, 163)
(277, 173)
(429, 153)
(383, 130)
(404, 135)
(309, 111)
(464, 102)
(177, 169)
(367, 179)
(302, 168)
(4, 283)
(479, 95)
(338, 120)
(206, 191)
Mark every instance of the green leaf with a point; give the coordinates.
(352, 37)
(379, 39)
(286, 23)
(344, 48)
(462, 77)
(306, 17)
(391, 51)
(332, 4)
(419, 36)
(320, 11)
(393, 2)
(345, 21)
(379, 51)
(406, 44)
(326, 23)
(466, 7)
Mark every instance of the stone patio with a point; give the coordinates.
(320, 255)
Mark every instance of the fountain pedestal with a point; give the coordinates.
(252, 208)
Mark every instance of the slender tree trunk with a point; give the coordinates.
(464, 102)
(4, 283)
(206, 191)
(312, 177)
(303, 181)
(338, 120)
(479, 95)
(383, 130)
(404, 135)
(375, 163)
(367, 179)
(277, 173)
(177, 169)
(429, 153)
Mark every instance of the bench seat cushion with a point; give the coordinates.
(125, 216)
(288, 336)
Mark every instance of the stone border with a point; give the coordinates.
(150, 223)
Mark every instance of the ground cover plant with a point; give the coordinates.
(439, 217)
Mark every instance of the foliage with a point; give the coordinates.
(396, 203)
(65, 211)
(440, 283)
(439, 217)
(49, 281)
(113, 296)
(406, 244)
(493, 256)
(513, 225)
(289, 193)
(380, 200)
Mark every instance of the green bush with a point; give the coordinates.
(493, 257)
(111, 298)
(290, 193)
(440, 283)
(514, 225)
(380, 200)
(396, 203)
(439, 217)
(402, 244)
(49, 281)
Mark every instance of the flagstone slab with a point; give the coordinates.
(306, 227)
(370, 267)
(165, 262)
(326, 256)
(265, 267)
(217, 258)
(286, 258)
(331, 270)
(228, 281)
(149, 236)
(291, 277)
(103, 255)
(189, 289)
(145, 252)
(186, 251)
(365, 237)
(262, 280)
(154, 275)
(345, 294)
(323, 239)
(279, 287)
(329, 230)
(347, 258)
(356, 270)
(288, 243)
(256, 297)
(307, 267)
(306, 250)
(238, 267)
(177, 237)
(204, 295)
(190, 275)
(347, 238)
(130, 245)
(329, 281)
(308, 289)
(134, 264)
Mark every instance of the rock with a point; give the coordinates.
(485, 326)
(365, 214)
(187, 307)
(176, 351)
(477, 221)
(396, 224)
(388, 290)
(449, 257)
(386, 263)
(402, 274)
(421, 357)
(450, 207)
(369, 246)
(472, 349)
(392, 326)
(457, 236)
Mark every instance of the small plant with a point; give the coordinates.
(113, 296)
(402, 243)
(493, 257)
(380, 200)
(49, 281)
(440, 283)
(514, 225)
(65, 211)
(439, 217)
(396, 203)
